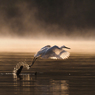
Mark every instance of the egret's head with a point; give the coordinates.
(64, 47)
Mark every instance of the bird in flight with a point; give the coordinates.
(52, 52)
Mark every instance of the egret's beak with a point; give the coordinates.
(66, 47)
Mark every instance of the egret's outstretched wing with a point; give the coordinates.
(56, 53)
(62, 55)
(42, 51)
(45, 47)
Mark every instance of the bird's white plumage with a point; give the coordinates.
(46, 52)
(53, 52)
(42, 51)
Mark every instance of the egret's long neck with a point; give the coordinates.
(34, 59)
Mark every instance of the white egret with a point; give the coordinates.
(46, 52)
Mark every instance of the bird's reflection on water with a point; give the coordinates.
(37, 85)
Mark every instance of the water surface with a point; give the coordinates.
(73, 76)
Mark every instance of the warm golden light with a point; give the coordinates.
(32, 45)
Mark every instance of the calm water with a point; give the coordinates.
(73, 76)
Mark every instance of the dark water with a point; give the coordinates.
(73, 76)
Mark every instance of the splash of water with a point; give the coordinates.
(24, 64)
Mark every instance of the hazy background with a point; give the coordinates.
(27, 25)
